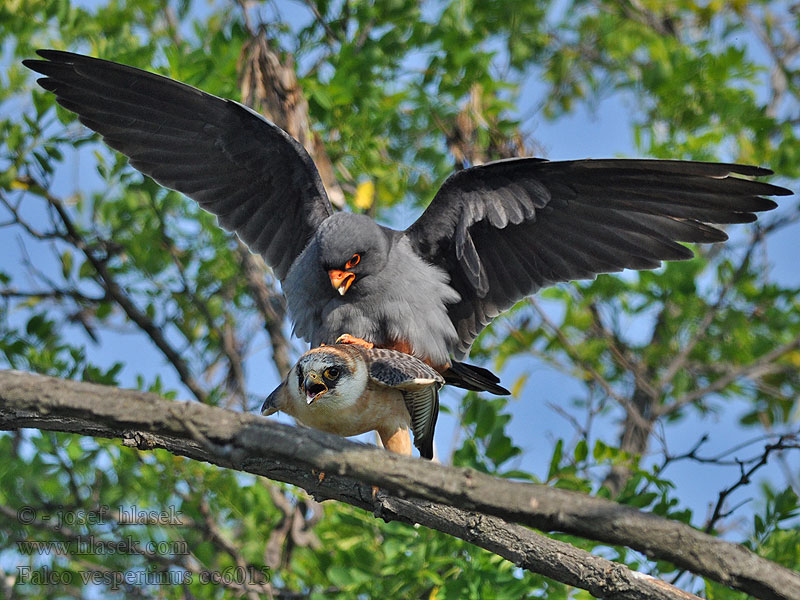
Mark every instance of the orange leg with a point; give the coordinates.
(346, 338)
(397, 441)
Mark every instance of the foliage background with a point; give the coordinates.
(109, 278)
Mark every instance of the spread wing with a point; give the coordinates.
(505, 229)
(419, 385)
(255, 177)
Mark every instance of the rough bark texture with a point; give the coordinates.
(268, 84)
(256, 445)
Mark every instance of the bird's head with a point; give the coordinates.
(329, 377)
(351, 249)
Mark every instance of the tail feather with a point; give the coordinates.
(472, 377)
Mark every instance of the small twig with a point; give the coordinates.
(634, 412)
(332, 36)
(762, 366)
(117, 293)
(226, 337)
(55, 294)
(744, 478)
(270, 304)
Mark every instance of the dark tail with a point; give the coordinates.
(471, 377)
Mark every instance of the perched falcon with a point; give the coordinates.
(348, 389)
(492, 235)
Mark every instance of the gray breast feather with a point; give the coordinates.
(412, 306)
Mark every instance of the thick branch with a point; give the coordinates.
(108, 412)
(256, 445)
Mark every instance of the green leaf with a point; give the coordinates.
(66, 263)
(555, 461)
(581, 451)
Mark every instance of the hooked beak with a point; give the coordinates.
(270, 405)
(341, 280)
(313, 386)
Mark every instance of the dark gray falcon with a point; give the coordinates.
(492, 235)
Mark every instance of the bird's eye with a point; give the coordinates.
(332, 374)
(354, 260)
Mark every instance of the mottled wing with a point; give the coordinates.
(423, 406)
(419, 385)
(505, 229)
(397, 369)
(251, 174)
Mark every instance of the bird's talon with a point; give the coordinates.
(346, 338)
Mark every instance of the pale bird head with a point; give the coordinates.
(323, 379)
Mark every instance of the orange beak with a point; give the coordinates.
(341, 280)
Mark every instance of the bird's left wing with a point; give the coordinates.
(505, 229)
(419, 385)
(257, 179)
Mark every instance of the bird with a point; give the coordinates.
(492, 235)
(349, 389)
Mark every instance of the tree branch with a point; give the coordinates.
(270, 304)
(744, 478)
(256, 445)
(116, 292)
(629, 407)
(765, 364)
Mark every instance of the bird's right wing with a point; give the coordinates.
(419, 385)
(505, 229)
(257, 179)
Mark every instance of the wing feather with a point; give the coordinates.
(419, 385)
(423, 406)
(503, 230)
(237, 165)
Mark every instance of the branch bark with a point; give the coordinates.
(423, 492)
(75, 412)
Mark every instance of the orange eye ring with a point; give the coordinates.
(354, 260)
